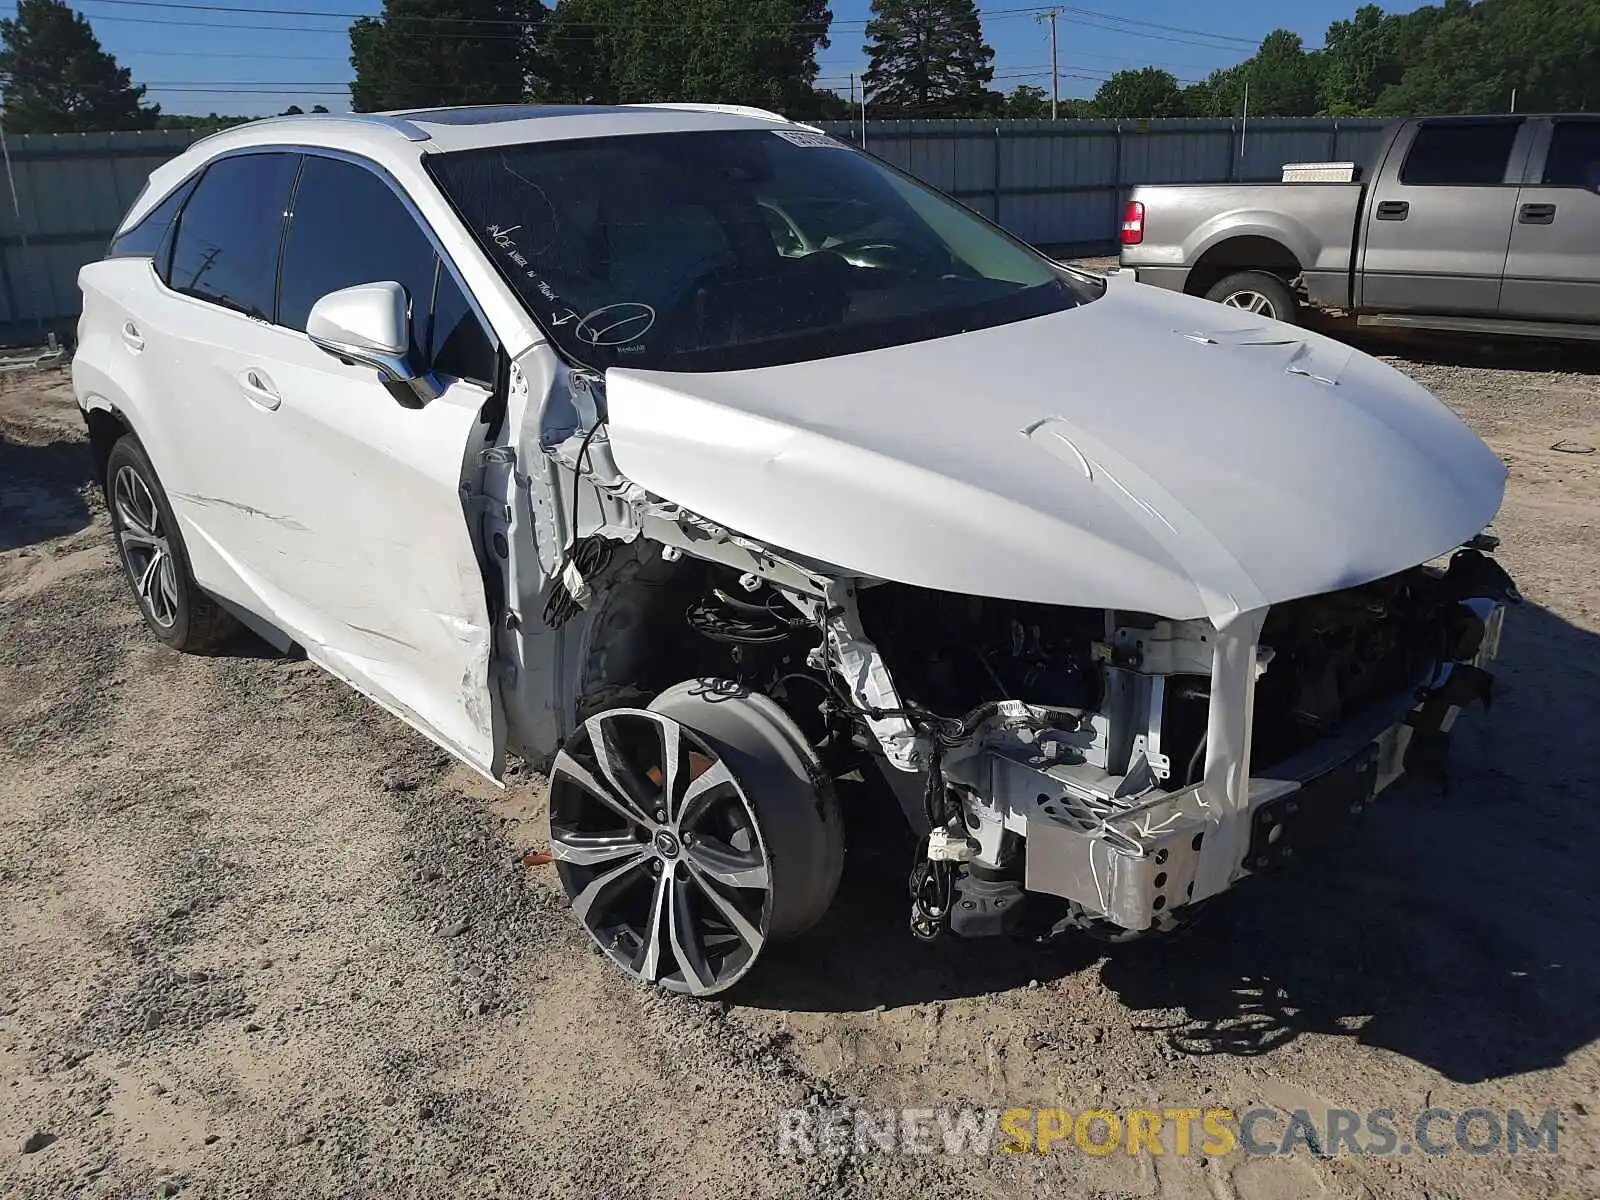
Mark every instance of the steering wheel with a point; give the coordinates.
(870, 253)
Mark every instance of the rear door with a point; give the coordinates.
(368, 541)
(1553, 268)
(1438, 222)
(214, 287)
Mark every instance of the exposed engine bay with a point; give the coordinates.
(1042, 752)
(1058, 768)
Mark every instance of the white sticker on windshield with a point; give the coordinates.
(814, 141)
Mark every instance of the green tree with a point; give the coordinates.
(1283, 77)
(760, 52)
(57, 79)
(1464, 57)
(1146, 92)
(1458, 71)
(1359, 59)
(1028, 100)
(927, 57)
(207, 124)
(423, 53)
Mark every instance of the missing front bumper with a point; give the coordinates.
(1134, 862)
(1134, 866)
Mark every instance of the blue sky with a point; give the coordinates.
(199, 60)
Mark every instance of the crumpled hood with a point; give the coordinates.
(1146, 451)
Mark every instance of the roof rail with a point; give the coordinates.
(407, 129)
(735, 110)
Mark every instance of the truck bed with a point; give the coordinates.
(1183, 223)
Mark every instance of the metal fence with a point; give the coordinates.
(1058, 184)
(65, 194)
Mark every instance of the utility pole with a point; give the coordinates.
(1055, 70)
(852, 93)
(863, 112)
(1244, 122)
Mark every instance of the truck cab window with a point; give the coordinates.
(1574, 158)
(1459, 153)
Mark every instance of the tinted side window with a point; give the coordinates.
(146, 239)
(1574, 158)
(1473, 152)
(226, 247)
(457, 342)
(348, 227)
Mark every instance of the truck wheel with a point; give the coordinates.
(1257, 292)
(689, 834)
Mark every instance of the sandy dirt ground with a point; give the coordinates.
(259, 939)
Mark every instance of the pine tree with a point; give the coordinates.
(57, 79)
(927, 57)
(427, 53)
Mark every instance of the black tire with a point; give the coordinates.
(689, 834)
(794, 801)
(1257, 292)
(154, 558)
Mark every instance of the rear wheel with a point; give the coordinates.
(1256, 292)
(689, 834)
(153, 555)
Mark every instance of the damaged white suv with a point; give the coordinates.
(737, 477)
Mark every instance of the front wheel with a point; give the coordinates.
(1256, 292)
(691, 833)
(153, 555)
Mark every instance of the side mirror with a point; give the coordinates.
(370, 324)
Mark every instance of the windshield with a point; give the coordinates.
(723, 250)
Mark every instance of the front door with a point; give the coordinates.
(1438, 225)
(335, 498)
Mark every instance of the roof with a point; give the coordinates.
(400, 139)
(446, 129)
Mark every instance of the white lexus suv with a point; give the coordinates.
(746, 483)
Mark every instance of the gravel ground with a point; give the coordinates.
(257, 938)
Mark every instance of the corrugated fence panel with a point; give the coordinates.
(71, 191)
(1059, 184)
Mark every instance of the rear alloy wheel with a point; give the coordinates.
(153, 555)
(1256, 292)
(145, 548)
(665, 836)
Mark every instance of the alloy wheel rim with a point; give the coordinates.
(1252, 302)
(145, 548)
(659, 851)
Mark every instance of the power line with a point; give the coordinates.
(251, 10)
(1159, 37)
(851, 23)
(458, 35)
(344, 58)
(204, 91)
(1117, 17)
(244, 83)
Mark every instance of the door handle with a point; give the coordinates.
(259, 389)
(1393, 210)
(131, 337)
(1537, 214)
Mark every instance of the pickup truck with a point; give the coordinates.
(1464, 224)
